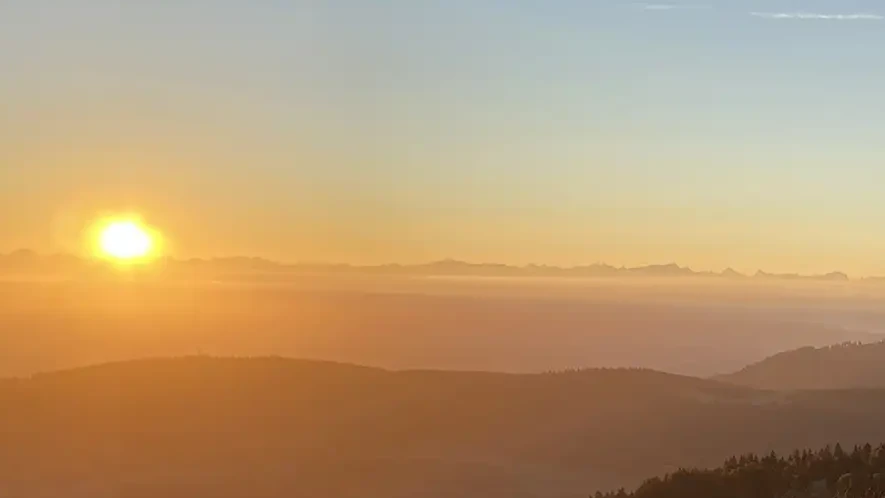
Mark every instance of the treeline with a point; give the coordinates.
(827, 473)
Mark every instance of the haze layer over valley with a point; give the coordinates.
(693, 326)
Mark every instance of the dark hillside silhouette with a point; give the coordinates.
(847, 365)
(227, 428)
(825, 473)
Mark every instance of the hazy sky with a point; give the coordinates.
(711, 133)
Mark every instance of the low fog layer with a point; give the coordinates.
(681, 326)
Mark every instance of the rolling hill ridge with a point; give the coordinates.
(272, 427)
(842, 366)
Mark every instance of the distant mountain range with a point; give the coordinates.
(26, 261)
(844, 366)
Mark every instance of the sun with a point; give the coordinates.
(125, 240)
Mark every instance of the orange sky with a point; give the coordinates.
(478, 132)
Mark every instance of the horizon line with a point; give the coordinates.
(687, 271)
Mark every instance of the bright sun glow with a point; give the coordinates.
(125, 240)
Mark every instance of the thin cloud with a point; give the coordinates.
(815, 16)
(670, 6)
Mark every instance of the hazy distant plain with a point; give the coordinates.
(687, 326)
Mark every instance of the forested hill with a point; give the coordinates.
(826, 473)
(269, 428)
(843, 366)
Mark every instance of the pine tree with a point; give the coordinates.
(838, 452)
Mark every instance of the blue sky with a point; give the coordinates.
(713, 133)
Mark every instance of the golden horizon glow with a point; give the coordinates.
(125, 240)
